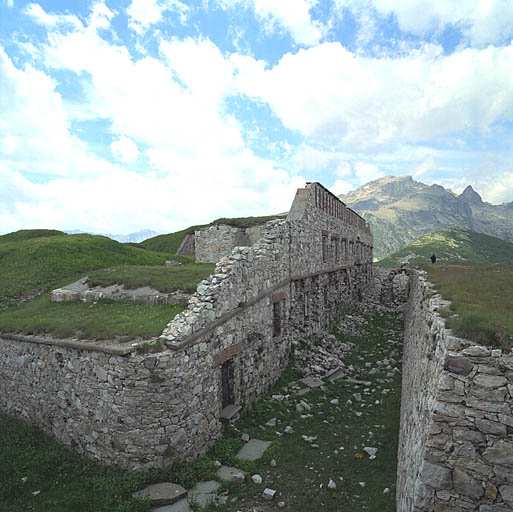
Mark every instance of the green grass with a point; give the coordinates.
(36, 264)
(482, 299)
(68, 481)
(303, 472)
(93, 320)
(246, 222)
(170, 242)
(163, 279)
(27, 234)
(452, 246)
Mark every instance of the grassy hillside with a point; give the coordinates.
(32, 264)
(27, 234)
(452, 246)
(167, 243)
(481, 300)
(171, 242)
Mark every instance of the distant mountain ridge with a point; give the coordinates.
(452, 245)
(139, 236)
(400, 209)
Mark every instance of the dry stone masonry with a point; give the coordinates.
(456, 439)
(213, 360)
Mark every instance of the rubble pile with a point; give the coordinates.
(320, 355)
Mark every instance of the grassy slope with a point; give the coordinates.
(33, 264)
(171, 242)
(452, 246)
(27, 234)
(163, 279)
(482, 299)
(93, 320)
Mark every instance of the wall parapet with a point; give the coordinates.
(456, 437)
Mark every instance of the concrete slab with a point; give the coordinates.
(230, 474)
(179, 506)
(204, 492)
(312, 382)
(253, 449)
(164, 493)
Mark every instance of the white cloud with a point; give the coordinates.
(145, 13)
(34, 128)
(291, 16)
(341, 187)
(38, 15)
(199, 168)
(366, 171)
(125, 149)
(482, 22)
(329, 93)
(9, 3)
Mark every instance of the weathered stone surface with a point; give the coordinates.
(491, 427)
(253, 449)
(230, 474)
(458, 365)
(476, 351)
(312, 382)
(164, 493)
(438, 477)
(423, 496)
(204, 492)
(473, 436)
(500, 453)
(507, 494)
(179, 506)
(467, 485)
(490, 381)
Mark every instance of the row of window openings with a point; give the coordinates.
(347, 249)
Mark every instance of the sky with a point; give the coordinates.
(123, 115)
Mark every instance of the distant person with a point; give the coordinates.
(433, 259)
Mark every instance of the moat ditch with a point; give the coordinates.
(310, 447)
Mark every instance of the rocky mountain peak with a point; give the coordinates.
(471, 196)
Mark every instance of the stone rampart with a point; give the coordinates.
(456, 438)
(213, 360)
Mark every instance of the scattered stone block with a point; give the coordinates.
(204, 492)
(312, 382)
(164, 493)
(179, 506)
(268, 494)
(257, 479)
(230, 474)
(253, 449)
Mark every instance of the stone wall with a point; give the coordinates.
(456, 439)
(218, 240)
(212, 361)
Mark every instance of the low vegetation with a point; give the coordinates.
(103, 319)
(164, 279)
(452, 245)
(481, 300)
(31, 462)
(31, 264)
(247, 222)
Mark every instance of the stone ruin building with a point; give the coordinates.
(216, 358)
(212, 361)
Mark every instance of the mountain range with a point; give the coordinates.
(139, 236)
(400, 209)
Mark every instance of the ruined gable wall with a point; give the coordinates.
(456, 434)
(214, 242)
